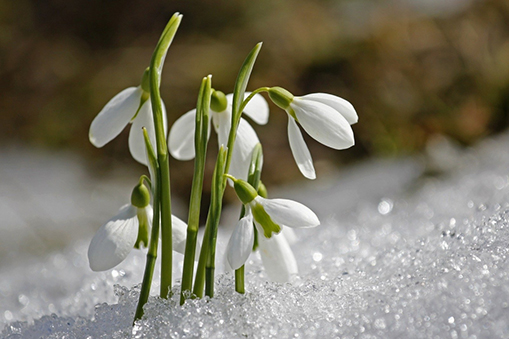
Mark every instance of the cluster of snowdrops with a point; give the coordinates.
(264, 223)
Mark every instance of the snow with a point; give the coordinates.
(398, 255)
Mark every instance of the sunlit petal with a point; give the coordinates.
(114, 240)
(222, 124)
(243, 150)
(181, 139)
(136, 140)
(241, 242)
(113, 118)
(288, 212)
(179, 234)
(290, 235)
(300, 150)
(277, 258)
(323, 123)
(339, 104)
(257, 108)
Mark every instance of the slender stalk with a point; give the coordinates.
(199, 280)
(253, 93)
(239, 280)
(200, 144)
(253, 177)
(154, 236)
(163, 190)
(151, 261)
(216, 204)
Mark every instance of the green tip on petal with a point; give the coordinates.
(218, 102)
(141, 196)
(264, 220)
(281, 97)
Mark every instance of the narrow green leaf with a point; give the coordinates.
(243, 79)
(200, 144)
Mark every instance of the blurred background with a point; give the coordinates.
(413, 69)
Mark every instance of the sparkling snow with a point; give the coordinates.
(398, 255)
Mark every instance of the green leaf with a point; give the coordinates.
(156, 68)
(242, 80)
(202, 116)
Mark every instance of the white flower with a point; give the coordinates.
(325, 117)
(119, 235)
(120, 111)
(181, 138)
(270, 216)
(276, 254)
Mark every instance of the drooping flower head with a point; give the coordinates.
(181, 138)
(132, 105)
(325, 117)
(129, 229)
(269, 217)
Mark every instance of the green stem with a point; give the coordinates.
(253, 93)
(199, 281)
(166, 228)
(151, 260)
(216, 205)
(200, 142)
(156, 65)
(239, 280)
(253, 178)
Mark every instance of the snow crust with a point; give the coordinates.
(398, 255)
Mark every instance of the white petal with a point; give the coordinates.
(113, 118)
(136, 139)
(323, 123)
(181, 139)
(288, 212)
(245, 143)
(300, 150)
(339, 104)
(290, 235)
(257, 108)
(241, 242)
(277, 258)
(114, 240)
(222, 123)
(179, 234)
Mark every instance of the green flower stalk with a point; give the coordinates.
(201, 139)
(254, 174)
(163, 190)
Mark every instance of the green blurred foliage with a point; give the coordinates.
(412, 69)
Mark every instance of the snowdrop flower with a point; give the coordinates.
(129, 229)
(132, 105)
(181, 138)
(325, 117)
(269, 216)
(277, 257)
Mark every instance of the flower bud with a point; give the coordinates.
(244, 190)
(141, 196)
(281, 97)
(218, 102)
